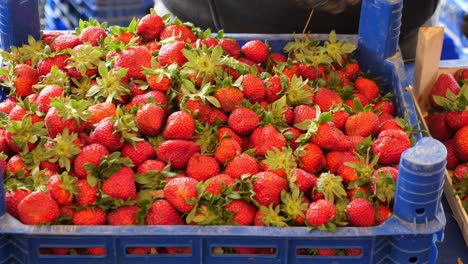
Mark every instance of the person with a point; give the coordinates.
(290, 16)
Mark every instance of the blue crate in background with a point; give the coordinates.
(451, 17)
(408, 236)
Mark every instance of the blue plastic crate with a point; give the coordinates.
(409, 236)
(451, 17)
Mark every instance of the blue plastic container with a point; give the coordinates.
(18, 20)
(403, 238)
(451, 17)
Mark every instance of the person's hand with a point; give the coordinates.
(328, 6)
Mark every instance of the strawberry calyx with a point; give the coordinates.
(85, 58)
(125, 124)
(274, 113)
(54, 77)
(109, 86)
(338, 49)
(33, 158)
(71, 109)
(280, 160)
(154, 180)
(272, 216)
(384, 186)
(64, 148)
(25, 132)
(293, 205)
(106, 168)
(298, 91)
(311, 125)
(452, 101)
(206, 137)
(89, 22)
(331, 186)
(190, 92)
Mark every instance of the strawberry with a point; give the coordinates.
(96, 251)
(172, 53)
(209, 42)
(352, 70)
(384, 106)
(138, 152)
(326, 252)
(45, 95)
(162, 212)
(89, 216)
(38, 208)
(307, 71)
(335, 159)
(326, 99)
(353, 194)
(367, 87)
(177, 152)
(311, 157)
(241, 165)
(360, 212)
(16, 165)
(179, 32)
(13, 198)
(202, 110)
(121, 184)
(303, 113)
(125, 215)
(457, 119)
(93, 35)
(179, 125)
(150, 165)
(437, 125)
(339, 119)
(86, 194)
(266, 138)
(8, 104)
(382, 213)
(66, 113)
(62, 188)
(362, 124)
(390, 144)
(149, 119)
(226, 132)
(230, 46)
(452, 159)
(461, 144)
(361, 98)
(149, 27)
(229, 98)
(255, 50)
(179, 191)
(331, 138)
(216, 184)
(253, 88)
(304, 180)
(383, 183)
(460, 173)
(243, 212)
(25, 77)
(461, 75)
(134, 59)
(202, 167)
(227, 149)
(243, 121)
(65, 41)
(105, 134)
(159, 98)
(445, 82)
(92, 153)
(49, 36)
(100, 111)
(320, 213)
(45, 65)
(267, 187)
(273, 88)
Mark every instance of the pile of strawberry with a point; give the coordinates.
(447, 121)
(160, 123)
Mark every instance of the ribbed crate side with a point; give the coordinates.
(4, 249)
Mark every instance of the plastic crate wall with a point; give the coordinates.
(406, 237)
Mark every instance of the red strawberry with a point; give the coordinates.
(45, 65)
(360, 212)
(202, 167)
(106, 135)
(390, 144)
(93, 35)
(267, 187)
(243, 212)
(13, 198)
(253, 88)
(86, 194)
(100, 111)
(266, 138)
(461, 144)
(384, 106)
(226, 132)
(335, 159)
(121, 184)
(437, 124)
(353, 194)
(273, 88)
(331, 138)
(227, 149)
(178, 152)
(382, 184)
(460, 173)
(162, 212)
(179, 125)
(255, 50)
(149, 27)
(320, 212)
(149, 119)
(303, 113)
(92, 153)
(452, 159)
(38, 208)
(382, 213)
(352, 70)
(240, 165)
(243, 121)
(61, 188)
(445, 82)
(218, 182)
(209, 42)
(134, 59)
(8, 104)
(49, 36)
(65, 41)
(367, 87)
(26, 76)
(172, 53)
(362, 124)
(16, 164)
(457, 119)
(203, 110)
(125, 215)
(179, 32)
(326, 99)
(311, 157)
(304, 180)
(159, 98)
(307, 71)
(179, 190)
(150, 165)
(48, 92)
(141, 151)
(230, 46)
(339, 119)
(229, 98)
(89, 216)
